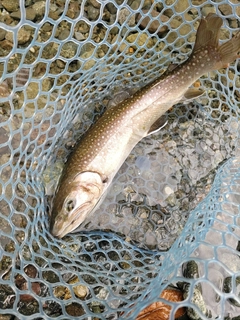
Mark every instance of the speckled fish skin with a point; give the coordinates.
(100, 153)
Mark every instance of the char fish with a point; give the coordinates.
(98, 156)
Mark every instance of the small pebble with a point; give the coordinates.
(92, 13)
(155, 24)
(79, 36)
(63, 34)
(39, 8)
(23, 36)
(10, 5)
(208, 9)
(30, 14)
(124, 17)
(226, 9)
(2, 34)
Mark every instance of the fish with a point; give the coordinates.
(97, 157)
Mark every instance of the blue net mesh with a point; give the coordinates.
(171, 215)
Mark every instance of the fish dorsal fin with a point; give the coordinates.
(157, 125)
(192, 93)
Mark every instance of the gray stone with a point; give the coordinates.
(92, 13)
(124, 15)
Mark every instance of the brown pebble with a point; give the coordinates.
(226, 9)
(31, 271)
(30, 14)
(2, 33)
(10, 5)
(155, 24)
(23, 36)
(161, 311)
(5, 44)
(197, 84)
(4, 89)
(36, 288)
(75, 309)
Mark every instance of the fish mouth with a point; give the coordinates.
(66, 225)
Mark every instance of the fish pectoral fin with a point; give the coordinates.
(89, 180)
(192, 93)
(157, 125)
(171, 67)
(121, 96)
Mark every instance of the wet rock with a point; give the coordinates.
(196, 299)
(227, 288)
(191, 271)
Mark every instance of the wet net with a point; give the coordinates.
(170, 220)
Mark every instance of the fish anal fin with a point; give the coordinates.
(158, 125)
(192, 93)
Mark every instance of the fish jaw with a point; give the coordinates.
(83, 193)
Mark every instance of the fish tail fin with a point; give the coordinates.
(207, 43)
(208, 32)
(230, 49)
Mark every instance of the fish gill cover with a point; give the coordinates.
(171, 217)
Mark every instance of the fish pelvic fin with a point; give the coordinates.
(207, 44)
(158, 125)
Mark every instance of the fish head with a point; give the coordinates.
(74, 201)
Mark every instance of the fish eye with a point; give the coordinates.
(69, 206)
